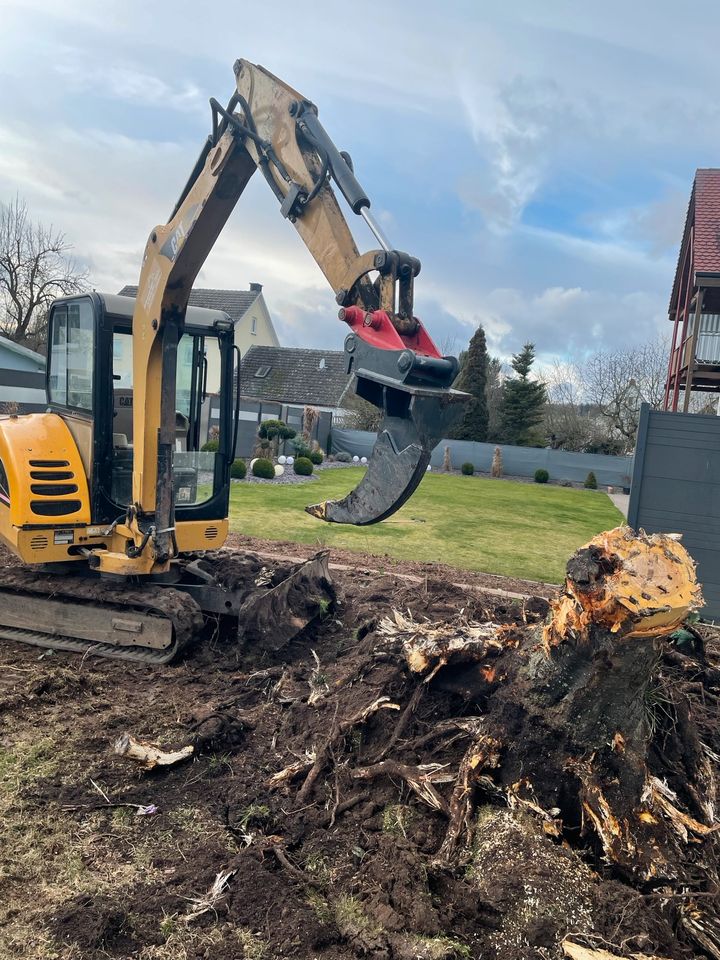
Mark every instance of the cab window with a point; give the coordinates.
(71, 355)
(197, 372)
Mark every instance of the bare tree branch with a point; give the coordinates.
(595, 404)
(35, 268)
(617, 382)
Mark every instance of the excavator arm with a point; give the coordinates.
(269, 126)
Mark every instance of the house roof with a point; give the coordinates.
(703, 220)
(22, 351)
(707, 221)
(235, 303)
(293, 375)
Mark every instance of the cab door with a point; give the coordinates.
(72, 336)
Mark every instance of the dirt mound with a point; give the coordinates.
(339, 805)
(93, 923)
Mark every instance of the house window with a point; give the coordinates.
(261, 372)
(253, 325)
(322, 364)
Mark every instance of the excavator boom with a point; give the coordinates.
(269, 126)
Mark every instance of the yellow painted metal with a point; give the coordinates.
(192, 535)
(201, 535)
(38, 545)
(40, 437)
(174, 254)
(175, 251)
(323, 228)
(646, 587)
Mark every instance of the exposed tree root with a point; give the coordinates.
(461, 783)
(338, 730)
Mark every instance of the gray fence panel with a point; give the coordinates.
(676, 489)
(517, 461)
(248, 419)
(323, 429)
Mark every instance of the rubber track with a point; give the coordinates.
(166, 602)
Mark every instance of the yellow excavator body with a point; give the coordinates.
(47, 517)
(114, 484)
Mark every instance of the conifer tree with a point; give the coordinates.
(523, 400)
(473, 380)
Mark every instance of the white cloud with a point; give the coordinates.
(570, 322)
(126, 82)
(465, 113)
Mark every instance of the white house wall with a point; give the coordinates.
(22, 378)
(264, 336)
(255, 328)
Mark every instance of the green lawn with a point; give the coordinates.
(513, 529)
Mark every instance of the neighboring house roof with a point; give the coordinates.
(293, 375)
(21, 351)
(703, 220)
(235, 303)
(707, 221)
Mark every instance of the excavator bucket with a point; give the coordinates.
(419, 410)
(398, 462)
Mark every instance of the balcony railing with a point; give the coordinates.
(708, 344)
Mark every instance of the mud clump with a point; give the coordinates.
(95, 924)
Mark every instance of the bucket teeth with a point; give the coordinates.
(392, 477)
(399, 460)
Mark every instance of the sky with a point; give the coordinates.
(537, 158)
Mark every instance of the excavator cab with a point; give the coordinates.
(90, 387)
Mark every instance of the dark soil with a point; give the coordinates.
(332, 867)
(373, 563)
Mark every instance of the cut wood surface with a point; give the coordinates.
(150, 755)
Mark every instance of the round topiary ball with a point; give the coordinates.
(303, 466)
(238, 470)
(316, 457)
(468, 469)
(265, 469)
(541, 476)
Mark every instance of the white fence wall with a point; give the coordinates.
(517, 461)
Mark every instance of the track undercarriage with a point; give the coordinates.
(154, 621)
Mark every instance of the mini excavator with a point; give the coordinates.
(107, 496)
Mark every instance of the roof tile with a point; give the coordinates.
(707, 220)
(703, 217)
(314, 377)
(235, 303)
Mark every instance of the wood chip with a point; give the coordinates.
(149, 755)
